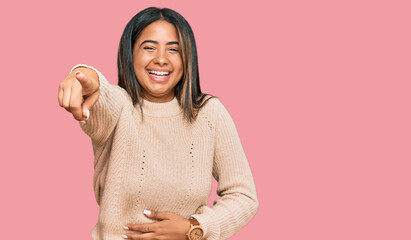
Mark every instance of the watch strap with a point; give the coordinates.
(195, 225)
(193, 221)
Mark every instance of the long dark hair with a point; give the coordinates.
(187, 90)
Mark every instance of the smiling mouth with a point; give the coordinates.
(159, 76)
(158, 73)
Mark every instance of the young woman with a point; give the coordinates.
(158, 140)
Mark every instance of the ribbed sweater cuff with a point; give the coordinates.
(208, 223)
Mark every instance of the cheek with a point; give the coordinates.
(141, 60)
(139, 63)
(178, 64)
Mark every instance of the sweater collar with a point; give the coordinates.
(165, 109)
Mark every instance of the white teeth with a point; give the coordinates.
(159, 73)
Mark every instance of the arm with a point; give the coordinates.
(105, 113)
(238, 203)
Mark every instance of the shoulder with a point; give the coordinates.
(215, 110)
(124, 93)
(212, 107)
(212, 104)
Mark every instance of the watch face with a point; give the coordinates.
(196, 234)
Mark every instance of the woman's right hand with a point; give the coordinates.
(79, 91)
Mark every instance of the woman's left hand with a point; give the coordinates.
(170, 226)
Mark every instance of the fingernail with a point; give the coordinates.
(147, 212)
(78, 72)
(88, 114)
(124, 236)
(125, 227)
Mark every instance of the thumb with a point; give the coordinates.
(157, 215)
(89, 103)
(82, 78)
(89, 84)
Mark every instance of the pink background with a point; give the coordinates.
(319, 91)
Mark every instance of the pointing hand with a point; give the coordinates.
(79, 91)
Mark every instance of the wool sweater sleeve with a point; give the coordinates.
(106, 112)
(238, 203)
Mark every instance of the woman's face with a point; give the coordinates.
(157, 61)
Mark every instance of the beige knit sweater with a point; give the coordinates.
(163, 163)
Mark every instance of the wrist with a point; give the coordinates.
(195, 232)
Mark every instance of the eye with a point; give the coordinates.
(148, 48)
(173, 50)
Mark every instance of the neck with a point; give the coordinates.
(161, 109)
(161, 99)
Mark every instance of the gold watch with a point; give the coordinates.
(196, 232)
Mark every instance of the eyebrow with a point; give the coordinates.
(155, 42)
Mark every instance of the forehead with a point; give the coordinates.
(160, 31)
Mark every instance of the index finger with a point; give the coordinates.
(144, 228)
(136, 236)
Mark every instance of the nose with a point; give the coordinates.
(161, 58)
